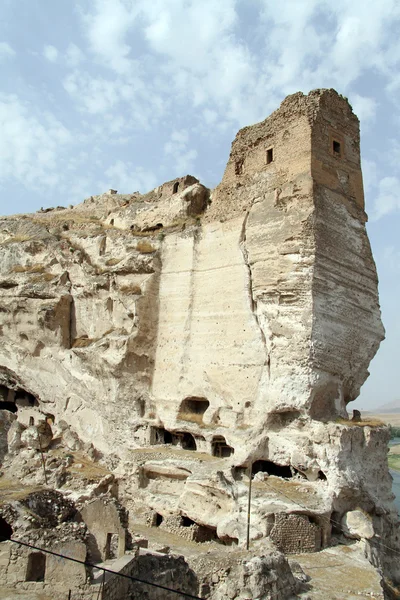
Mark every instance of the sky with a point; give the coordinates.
(127, 94)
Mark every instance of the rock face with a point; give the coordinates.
(227, 330)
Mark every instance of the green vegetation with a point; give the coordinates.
(394, 432)
(394, 461)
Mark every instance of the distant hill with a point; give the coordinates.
(390, 407)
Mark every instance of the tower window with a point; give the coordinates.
(176, 187)
(336, 148)
(270, 155)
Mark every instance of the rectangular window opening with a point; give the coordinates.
(336, 148)
(270, 155)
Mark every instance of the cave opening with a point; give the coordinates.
(158, 520)
(5, 530)
(193, 409)
(186, 522)
(10, 406)
(159, 435)
(267, 466)
(187, 441)
(220, 448)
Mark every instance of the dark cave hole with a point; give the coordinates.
(10, 406)
(5, 530)
(266, 466)
(186, 522)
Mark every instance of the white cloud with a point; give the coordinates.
(73, 56)
(6, 51)
(106, 28)
(177, 149)
(96, 95)
(194, 55)
(388, 198)
(50, 53)
(30, 144)
(364, 107)
(127, 178)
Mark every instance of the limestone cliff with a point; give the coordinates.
(222, 329)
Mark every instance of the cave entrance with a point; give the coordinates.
(12, 400)
(25, 399)
(187, 441)
(157, 520)
(5, 530)
(205, 534)
(186, 522)
(10, 406)
(220, 448)
(36, 567)
(193, 409)
(176, 187)
(159, 435)
(266, 466)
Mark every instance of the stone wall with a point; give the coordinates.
(294, 534)
(31, 570)
(103, 521)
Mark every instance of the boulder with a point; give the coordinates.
(357, 524)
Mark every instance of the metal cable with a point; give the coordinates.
(88, 564)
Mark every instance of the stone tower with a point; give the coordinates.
(297, 177)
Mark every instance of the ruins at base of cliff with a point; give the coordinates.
(158, 350)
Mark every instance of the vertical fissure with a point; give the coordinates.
(252, 301)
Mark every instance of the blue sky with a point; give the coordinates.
(130, 93)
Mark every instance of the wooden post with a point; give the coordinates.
(43, 461)
(249, 508)
(69, 595)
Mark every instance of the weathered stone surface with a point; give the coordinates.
(228, 331)
(358, 524)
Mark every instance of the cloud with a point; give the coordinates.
(364, 107)
(197, 54)
(177, 149)
(100, 95)
(388, 198)
(30, 144)
(106, 28)
(127, 178)
(50, 53)
(6, 51)
(73, 56)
